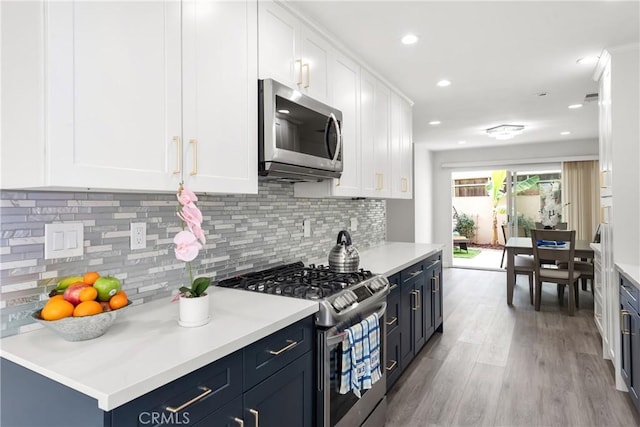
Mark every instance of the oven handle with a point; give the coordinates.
(334, 338)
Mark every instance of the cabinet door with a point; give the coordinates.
(220, 96)
(436, 296)
(634, 362)
(407, 307)
(277, 54)
(345, 94)
(625, 342)
(400, 167)
(283, 399)
(382, 166)
(422, 314)
(392, 316)
(230, 415)
(314, 65)
(113, 98)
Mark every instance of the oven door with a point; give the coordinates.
(335, 409)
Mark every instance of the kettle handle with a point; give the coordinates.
(341, 235)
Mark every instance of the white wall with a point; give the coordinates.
(433, 181)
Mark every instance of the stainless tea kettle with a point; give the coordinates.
(343, 257)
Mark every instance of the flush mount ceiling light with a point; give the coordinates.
(505, 131)
(409, 39)
(435, 122)
(444, 83)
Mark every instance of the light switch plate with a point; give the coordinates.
(354, 224)
(306, 226)
(63, 240)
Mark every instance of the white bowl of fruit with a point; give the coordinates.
(83, 307)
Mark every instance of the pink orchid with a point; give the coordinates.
(187, 246)
(190, 214)
(186, 196)
(197, 231)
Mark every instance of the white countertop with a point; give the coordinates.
(145, 348)
(630, 271)
(391, 257)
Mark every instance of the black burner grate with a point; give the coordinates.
(296, 280)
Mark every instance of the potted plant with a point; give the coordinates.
(193, 300)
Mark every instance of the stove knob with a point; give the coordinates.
(338, 303)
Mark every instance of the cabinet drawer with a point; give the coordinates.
(392, 315)
(409, 273)
(265, 357)
(392, 362)
(629, 292)
(223, 378)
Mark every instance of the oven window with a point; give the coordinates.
(305, 131)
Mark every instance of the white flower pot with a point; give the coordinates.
(194, 311)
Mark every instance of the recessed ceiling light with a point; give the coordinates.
(409, 39)
(434, 122)
(462, 142)
(566, 132)
(588, 60)
(574, 106)
(444, 83)
(284, 111)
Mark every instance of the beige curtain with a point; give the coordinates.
(581, 197)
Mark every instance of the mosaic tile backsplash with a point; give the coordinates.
(244, 233)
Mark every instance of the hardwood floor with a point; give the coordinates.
(496, 365)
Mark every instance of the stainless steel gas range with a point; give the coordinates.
(344, 299)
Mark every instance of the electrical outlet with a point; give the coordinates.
(354, 224)
(306, 228)
(138, 235)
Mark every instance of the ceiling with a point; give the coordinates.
(499, 56)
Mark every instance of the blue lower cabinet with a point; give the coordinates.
(214, 395)
(283, 399)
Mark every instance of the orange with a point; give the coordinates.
(88, 294)
(87, 308)
(55, 297)
(119, 300)
(56, 309)
(90, 277)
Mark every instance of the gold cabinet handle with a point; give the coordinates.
(178, 142)
(392, 321)
(338, 182)
(283, 349)
(393, 365)
(405, 186)
(194, 169)
(238, 421)
(379, 181)
(308, 74)
(299, 62)
(622, 329)
(436, 282)
(206, 391)
(255, 414)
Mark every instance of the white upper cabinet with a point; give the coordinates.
(220, 90)
(401, 146)
(119, 79)
(113, 94)
(291, 53)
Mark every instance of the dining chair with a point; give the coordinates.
(522, 264)
(547, 254)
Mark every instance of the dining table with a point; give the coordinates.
(523, 246)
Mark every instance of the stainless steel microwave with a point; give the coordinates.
(299, 138)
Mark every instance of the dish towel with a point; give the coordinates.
(361, 356)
